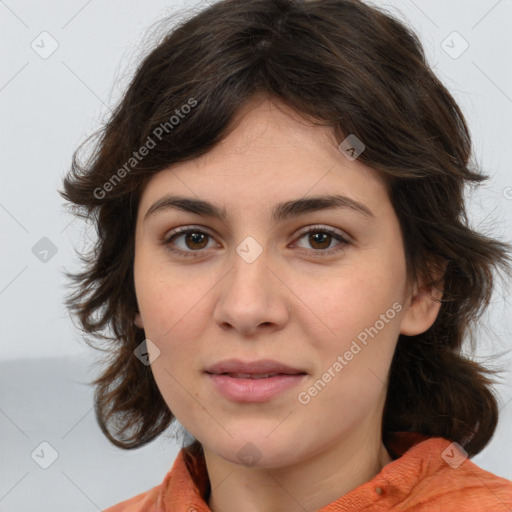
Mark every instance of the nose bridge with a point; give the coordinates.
(249, 296)
(249, 275)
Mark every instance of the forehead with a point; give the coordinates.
(270, 154)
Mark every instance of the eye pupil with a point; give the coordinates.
(319, 241)
(195, 238)
(320, 238)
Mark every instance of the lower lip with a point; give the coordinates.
(254, 390)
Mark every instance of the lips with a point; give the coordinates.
(252, 375)
(264, 368)
(257, 381)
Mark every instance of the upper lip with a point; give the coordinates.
(260, 367)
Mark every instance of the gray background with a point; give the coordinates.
(48, 104)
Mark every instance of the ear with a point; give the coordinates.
(425, 303)
(138, 321)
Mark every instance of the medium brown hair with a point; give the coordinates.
(340, 63)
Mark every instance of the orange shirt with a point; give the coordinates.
(429, 476)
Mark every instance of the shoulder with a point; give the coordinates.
(446, 479)
(469, 487)
(186, 482)
(144, 502)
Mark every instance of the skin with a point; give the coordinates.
(293, 303)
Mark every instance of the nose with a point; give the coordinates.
(252, 297)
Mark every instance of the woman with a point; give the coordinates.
(284, 266)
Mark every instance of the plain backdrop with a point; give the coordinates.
(64, 65)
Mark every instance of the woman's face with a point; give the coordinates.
(321, 293)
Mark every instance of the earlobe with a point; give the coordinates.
(138, 321)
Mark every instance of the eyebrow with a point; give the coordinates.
(281, 211)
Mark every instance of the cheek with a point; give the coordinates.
(161, 297)
(170, 311)
(349, 304)
(363, 314)
(172, 304)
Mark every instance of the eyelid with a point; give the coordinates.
(342, 236)
(305, 229)
(324, 228)
(185, 229)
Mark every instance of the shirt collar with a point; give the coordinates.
(188, 486)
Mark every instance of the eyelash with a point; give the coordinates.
(167, 242)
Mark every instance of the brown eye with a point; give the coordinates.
(195, 240)
(191, 241)
(320, 239)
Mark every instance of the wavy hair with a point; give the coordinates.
(342, 64)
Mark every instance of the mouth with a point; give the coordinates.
(256, 381)
(254, 376)
(261, 369)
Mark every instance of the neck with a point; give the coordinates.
(309, 484)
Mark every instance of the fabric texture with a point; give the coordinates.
(427, 475)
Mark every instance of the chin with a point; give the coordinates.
(256, 451)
